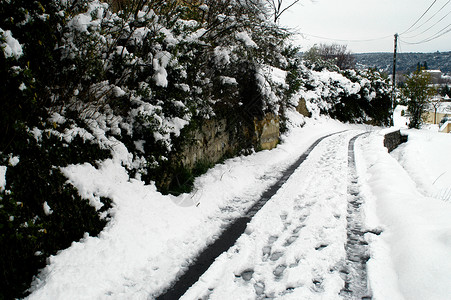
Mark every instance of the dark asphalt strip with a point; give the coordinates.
(231, 234)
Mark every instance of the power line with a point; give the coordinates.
(425, 22)
(418, 20)
(431, 38)
(409, 37)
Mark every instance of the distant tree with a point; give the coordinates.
(425, 65)
(417, 90)
(436, 103)
(422, 66)
(334, 54)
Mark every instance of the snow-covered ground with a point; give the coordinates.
(412, 257)
(294, 247)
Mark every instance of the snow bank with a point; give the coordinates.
(412, 257)
(150, 237)
(426, 158)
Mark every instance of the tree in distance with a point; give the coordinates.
(334, 54)
(417, 91)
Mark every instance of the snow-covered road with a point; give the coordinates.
(309, 241)
(295, 245)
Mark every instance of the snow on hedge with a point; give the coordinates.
(10, 47)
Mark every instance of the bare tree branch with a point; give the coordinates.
(279, 7)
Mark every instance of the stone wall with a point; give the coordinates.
(393, 139)
(212, 141)
(267, 132)
(302, 108)
(207, 144)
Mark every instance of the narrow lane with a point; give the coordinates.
(298, 240)
(231, 233)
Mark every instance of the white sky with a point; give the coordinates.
(370, 19)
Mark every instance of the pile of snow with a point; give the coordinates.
(426, 158)
(399, 117)
(411, 259)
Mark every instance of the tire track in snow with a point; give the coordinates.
(294, 247)
(228, 238)
(357, 253)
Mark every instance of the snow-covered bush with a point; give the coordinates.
(357, 96)
(81, 78)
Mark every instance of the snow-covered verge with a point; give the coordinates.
(426, 158)
(411, 259)
(152, 237)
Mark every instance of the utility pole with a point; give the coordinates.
(394, 78)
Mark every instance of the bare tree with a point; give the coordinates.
(436, 103)
(335, 54)
(278, 7)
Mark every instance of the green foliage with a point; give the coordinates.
(417, 91)
(182, 180)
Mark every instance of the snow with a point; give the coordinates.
(228, 80)
(90, 19)
(399, 120)
(294, 246)
(11, 47)
(244, 37)
(426, 158)
(222, 56)
(150, 235)
(412, 257)
(13, 160)
(2, 178)
(47, 209)
(160, 63)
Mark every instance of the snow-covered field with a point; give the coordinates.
(294, 247)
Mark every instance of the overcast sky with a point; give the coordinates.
(356, 20)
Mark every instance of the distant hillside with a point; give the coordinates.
(406, 62)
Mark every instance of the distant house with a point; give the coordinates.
(436, 76)
(439, 112)
(446, 126)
